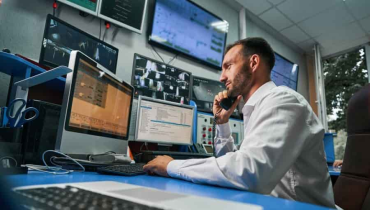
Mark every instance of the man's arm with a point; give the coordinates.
(278, 132)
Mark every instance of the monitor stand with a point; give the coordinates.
(164, 147)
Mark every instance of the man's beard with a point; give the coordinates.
(242, 82)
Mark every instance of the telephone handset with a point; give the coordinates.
(226, 103)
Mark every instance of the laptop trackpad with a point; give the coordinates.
(148, 194)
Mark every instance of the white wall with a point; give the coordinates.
(278, 44)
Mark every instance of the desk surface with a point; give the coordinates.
(333, 171)
(162, 183)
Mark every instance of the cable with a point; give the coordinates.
(157, 53)
(173, 58)
(8, 158)
(214, 132)
(54, 7)
(100, 29)
(56, 169)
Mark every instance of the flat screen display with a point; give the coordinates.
(89, 6)
(100, 105)
(204, 91)
(60, 38)
(160, 81)
(184, 27)
(125, 13)
(284, 72)
(164, 122)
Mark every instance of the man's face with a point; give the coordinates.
(236, 73)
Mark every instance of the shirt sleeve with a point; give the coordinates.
(276, 136)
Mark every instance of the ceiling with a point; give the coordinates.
(336, 25)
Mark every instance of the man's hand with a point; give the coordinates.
(158, 165)
(338, 163)
(223, 115)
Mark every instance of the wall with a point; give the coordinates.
(22, 25)
(280, 46)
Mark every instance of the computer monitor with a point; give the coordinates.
(88, 6)
(60, 38)
(96, 110)
(158, 80)
(204, 91)
(182, 26)
(129, 14)
(164, 122)
(285, 72)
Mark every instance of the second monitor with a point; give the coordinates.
(164, 122)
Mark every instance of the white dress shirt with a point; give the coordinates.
(282, 153)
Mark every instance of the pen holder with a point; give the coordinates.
(11, 144)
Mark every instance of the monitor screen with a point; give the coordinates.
(284, 72)
(60, 39)
(129, 14)
(100, 105)
(160, 81)
(89, 6)
(184, 27)
(204, 92)
(164, 122)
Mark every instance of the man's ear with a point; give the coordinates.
(254, 62)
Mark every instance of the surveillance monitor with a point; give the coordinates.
(96, 110)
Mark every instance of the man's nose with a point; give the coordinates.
(223, 77)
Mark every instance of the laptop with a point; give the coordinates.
(116, 195)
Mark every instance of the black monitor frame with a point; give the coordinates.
(178, 52)
(46, 31)
(159, 62)
(234, 115)
(70, 101)
(289, 62)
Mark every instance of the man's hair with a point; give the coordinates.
(256, 45)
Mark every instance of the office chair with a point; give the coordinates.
(352, 189)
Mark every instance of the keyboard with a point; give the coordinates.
(123, 170)
(150, 155)
(70, 197)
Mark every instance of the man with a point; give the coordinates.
(282, 153)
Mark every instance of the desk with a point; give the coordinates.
(334, 171)
(162, 183)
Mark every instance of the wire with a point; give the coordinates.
(56, 169)
(9, 158)
(173, 58)
(157, 53)
(100, 29)
(214, 131)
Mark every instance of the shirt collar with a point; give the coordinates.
(260, 92)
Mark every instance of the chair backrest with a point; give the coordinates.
(352, 189)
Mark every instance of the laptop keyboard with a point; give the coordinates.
(69, 198)
(124, 170)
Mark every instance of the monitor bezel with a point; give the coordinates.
(203, 78)
(178, 52)
(46, 31)
(83, 9)
(167, 103)
(69, 128)
(159, 62)
(293, 65)
(139, 31)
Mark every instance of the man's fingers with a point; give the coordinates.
(220, 96)
(224, 93)
(236, 102)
